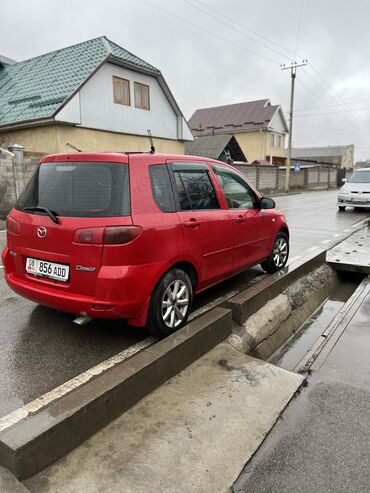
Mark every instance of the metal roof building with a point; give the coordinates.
(342, 156)
(222, 147)
(81, 91)
(232, 118)
(37, 88)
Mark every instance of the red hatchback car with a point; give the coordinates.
(135, 235)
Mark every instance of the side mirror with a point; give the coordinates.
(344, 180)
(267, 203)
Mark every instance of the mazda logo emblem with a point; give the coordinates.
(41, 232)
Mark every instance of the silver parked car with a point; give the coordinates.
(356, 190)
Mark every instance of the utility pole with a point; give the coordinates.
(293, 67)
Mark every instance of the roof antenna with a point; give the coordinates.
(152, 148)
(73, 147)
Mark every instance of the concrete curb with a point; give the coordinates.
(10, 484)
(249, 301)
(41, 439)
(244, 304)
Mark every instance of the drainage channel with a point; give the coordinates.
(297, 346)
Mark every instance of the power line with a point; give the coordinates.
(307, 89)
(340, 116)
(280, 46)
(210, 32)
(229, 41)
(335, 98)
(338, 97)
(303, 115)
(235, 22)
(231, 26)
(255, 40)
(351, 99)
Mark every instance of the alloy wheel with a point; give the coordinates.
(280, 252)
(175, 303)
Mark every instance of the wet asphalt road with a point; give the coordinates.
(40, 348)
(321, 443)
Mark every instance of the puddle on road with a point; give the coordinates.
(297, 346)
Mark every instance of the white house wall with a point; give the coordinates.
(277, 124)
(98, 111)
(71, 112)
(186, 132)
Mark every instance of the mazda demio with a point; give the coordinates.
(136, 235)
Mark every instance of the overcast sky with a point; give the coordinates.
(214, 52)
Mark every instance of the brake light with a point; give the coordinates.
(89, 235)
(111, 235)
(13, 226)
(114, 235)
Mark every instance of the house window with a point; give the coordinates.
(121, 91)
(272, 140)
(279, 141)
(142, 96)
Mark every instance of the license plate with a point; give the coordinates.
(361, 199)
(59, 272)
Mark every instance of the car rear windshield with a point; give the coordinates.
(79, 189)
(360, 177)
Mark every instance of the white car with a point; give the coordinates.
(356, 190)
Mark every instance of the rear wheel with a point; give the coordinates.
(341, 208)
(170, 303)
(279, 255)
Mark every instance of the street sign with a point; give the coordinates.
(297, 167)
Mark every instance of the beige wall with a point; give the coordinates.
(348, 158)
(50, 139)
(275, 151)
(257, 145)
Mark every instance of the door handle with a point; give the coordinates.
(239, 219)
(192, 223)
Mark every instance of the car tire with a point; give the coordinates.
(170, 303)
(279, 255)
(341, 208)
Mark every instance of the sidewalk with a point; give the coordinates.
(193, 434)
(322, 444)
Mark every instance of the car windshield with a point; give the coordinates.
(360, 177)
(78, 189)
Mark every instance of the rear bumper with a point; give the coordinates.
(121, 292)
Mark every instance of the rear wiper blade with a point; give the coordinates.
(51, 214)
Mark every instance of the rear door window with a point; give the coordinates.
(79, 189)
(194, 187)
(162, 188)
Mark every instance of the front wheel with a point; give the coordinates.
(170, 303)
(341, 208)
(279, 255)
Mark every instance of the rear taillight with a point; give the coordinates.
(89, 235)
(114, 235)
(13, 226)
(111, 235)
